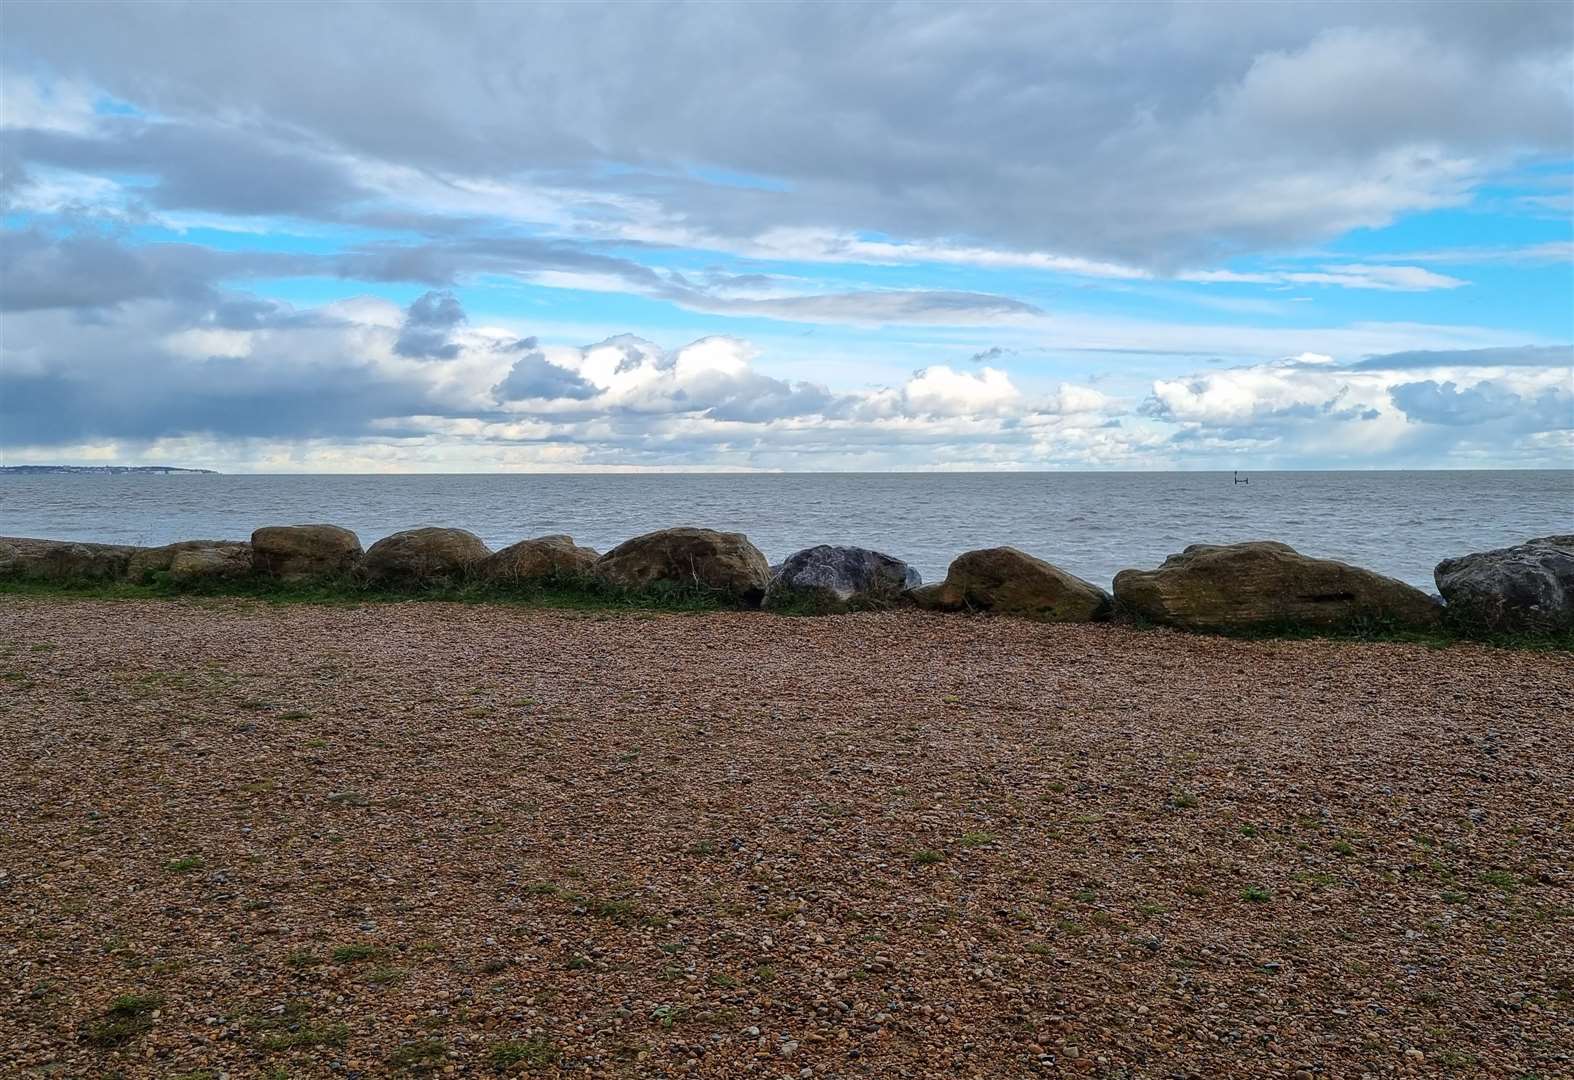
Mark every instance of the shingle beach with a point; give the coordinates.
(297, 841)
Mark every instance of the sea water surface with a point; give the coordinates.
(1093, 524)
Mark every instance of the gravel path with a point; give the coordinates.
(307, 841)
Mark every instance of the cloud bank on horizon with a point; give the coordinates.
(433, 237)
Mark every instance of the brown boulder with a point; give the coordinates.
(555, 556)
(1264, 584)
(211, 562)
(1012, 582)
(941, 596)
(420, 557)
(63, 560)
(302, 552)
(149, 561)
(722, 562)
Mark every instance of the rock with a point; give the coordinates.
(941, 596)
(554, 556)
(1525, 588)
(419, 557)
(211, 562)
(149, 561)
(723, 562)
(63, 560)
(1263, 584)
(1012, 582)
(304, 552)
(835, 578)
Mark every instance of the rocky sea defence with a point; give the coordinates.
(1254, 587)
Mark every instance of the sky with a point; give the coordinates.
(504, 237)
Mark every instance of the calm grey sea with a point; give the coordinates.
(1093, 524)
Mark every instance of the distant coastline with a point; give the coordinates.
(100, 470)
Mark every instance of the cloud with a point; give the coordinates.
(533, 376)
(1378, 410)
(1552, 356)
(200, 165)
(428, 325)
(1117, 134)
(1431, 402)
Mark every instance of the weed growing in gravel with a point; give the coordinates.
(622, 912)
(668, 1016)
(127, 1017)
(386, 976)
(1343, 847)
(424, 1056)
(1184, 801)
(185, 865)
(1256, 894)
(1501, 880)
(536, 1052)
(927, 858)
(975, 839)
(350, 954)
(303, 959)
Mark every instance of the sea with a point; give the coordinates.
(1090, 523)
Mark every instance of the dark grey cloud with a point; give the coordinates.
(754, 398)
(64, 383)
(205, 165)
(1161, 134)
(1433, 402)
(533, 377)
(1515, 356)
(429, 324)
(86, 269)
(994, 352)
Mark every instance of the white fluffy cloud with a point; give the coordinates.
(364, 381)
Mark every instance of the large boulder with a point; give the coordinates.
(157, 560)
(723, 562)
(834, 578)
(1528, 587)
(63, 560)
(1264, 584)
(420, 557)
(211, 563)
(305, 552)
(940, 596)
(1013, 582)
(540, 559)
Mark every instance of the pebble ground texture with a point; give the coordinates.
(249, 841)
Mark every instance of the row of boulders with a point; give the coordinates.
(1205, 587)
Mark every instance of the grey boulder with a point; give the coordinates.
(832, 577)
(1529, 587)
